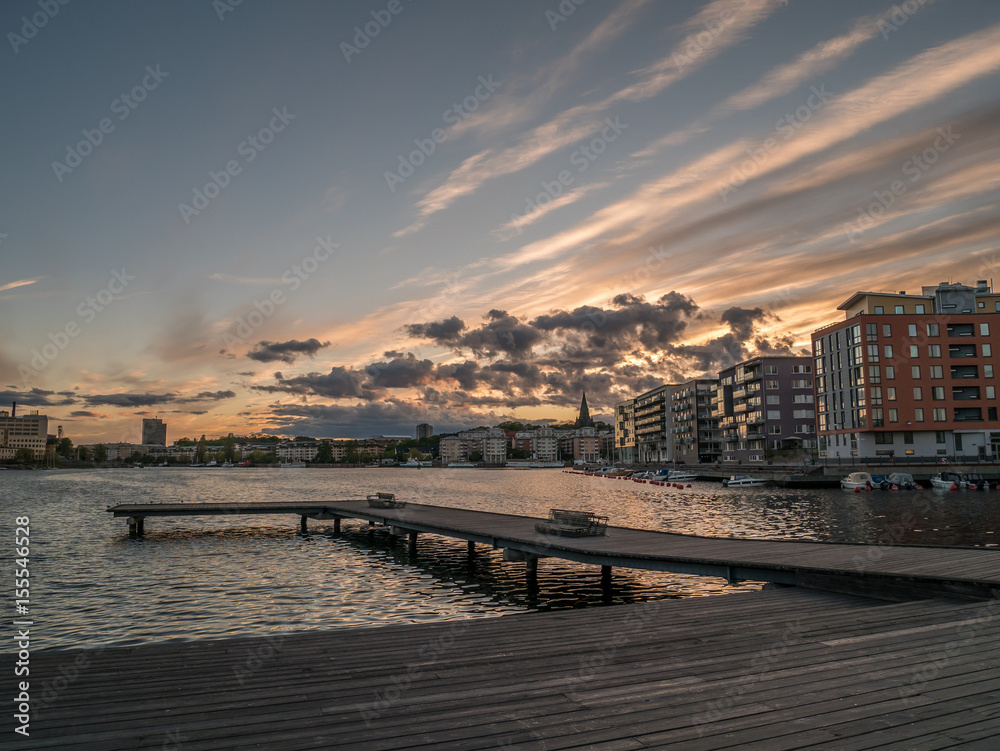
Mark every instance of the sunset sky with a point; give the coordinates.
(342, 219)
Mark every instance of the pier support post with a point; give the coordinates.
(136, 527)
(336, 525)
(471, 549)
(412, 548)
(304, 526)
(607, 590)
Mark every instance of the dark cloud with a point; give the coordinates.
(205, 396)
(399, 373)
(128, 400)
(442, 332)
(84, 413)
(502, 334)
(286, 352)
(37, 398)
(339, 383)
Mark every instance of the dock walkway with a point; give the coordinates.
(770, 670)
(887, 571)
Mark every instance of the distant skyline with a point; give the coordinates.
(344, 219)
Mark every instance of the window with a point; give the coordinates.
(911, 329)
(918, 393)
(802, 414)
(934, 350)
(940, 436)
(987, 350)
(898, 310)
(876, 394)
(980, 304)
(914, 351)
(937, 371)
(879, 310)
(803, 383)
(883, 439)
(915, 372)
(987, 371)
(918, 414)
(774, 429)
(893, 415)
(933, 329)
(937, 393)
(940, 414)
(872, 353)
(908, 437)
(991, 392)
(802, 398)
(919, 308)
(888, 351)
(871, 331)
(886, 329)
(991, 413)
(984, 329)
(773, 399)
(774, 414)
(890, 393)
(771, 370)
(873, 374)
(890, 373)
(771, 385)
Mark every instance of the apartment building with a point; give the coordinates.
(25, 432)
(652, 420)
(544, 445)
(154, 431)
(910, 375)
(625, 448)
(694, 428)
(453, 449)
(582, 444)
(766, 411)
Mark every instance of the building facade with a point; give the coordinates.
(424, 430)
(652, 419)
(154, 431)
(910, 375)
(544, 445)
(25, 432)
(766, 410)
(625, 449)
(694, 428)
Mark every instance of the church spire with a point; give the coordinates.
(584, 420)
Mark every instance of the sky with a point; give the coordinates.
(343, 219)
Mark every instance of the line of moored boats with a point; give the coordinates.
(859, 481)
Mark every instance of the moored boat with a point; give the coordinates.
(857, 480)
(743, 481)
(946, 480)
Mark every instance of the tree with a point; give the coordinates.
(324, 454)
(229, 448)
(65, 448)
(24, 456)
(84, 453)
(100, 453)
(199, 452)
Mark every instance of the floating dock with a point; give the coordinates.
(871, 570)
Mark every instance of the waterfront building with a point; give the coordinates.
(424, 430)
(624, 435)
(694, 429)
(453, 449)
(652, 421)
(154, 431)
(299, 451)
(910, 375)
(25, 432)
(544, 445)
(765, 410)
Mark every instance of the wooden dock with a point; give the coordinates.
(886, 571)
(770, 670)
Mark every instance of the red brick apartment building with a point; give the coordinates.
(910, 375)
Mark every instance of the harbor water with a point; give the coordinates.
(223, 576)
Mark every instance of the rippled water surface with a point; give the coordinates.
(200, 577)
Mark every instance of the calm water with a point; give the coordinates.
(224, 576)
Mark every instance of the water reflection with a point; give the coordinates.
(221, 576)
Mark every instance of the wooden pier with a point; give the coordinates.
(757, 671)
(885, 571)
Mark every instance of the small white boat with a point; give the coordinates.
(461, 465)
(945, 480)
(743, 481)
(415, 464)
(680, 475)
(857, 480)
(290, 465)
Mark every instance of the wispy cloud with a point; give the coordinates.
(725, 27)
(20, 283)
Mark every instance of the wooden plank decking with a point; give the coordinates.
(893, 572)
(771, 670)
